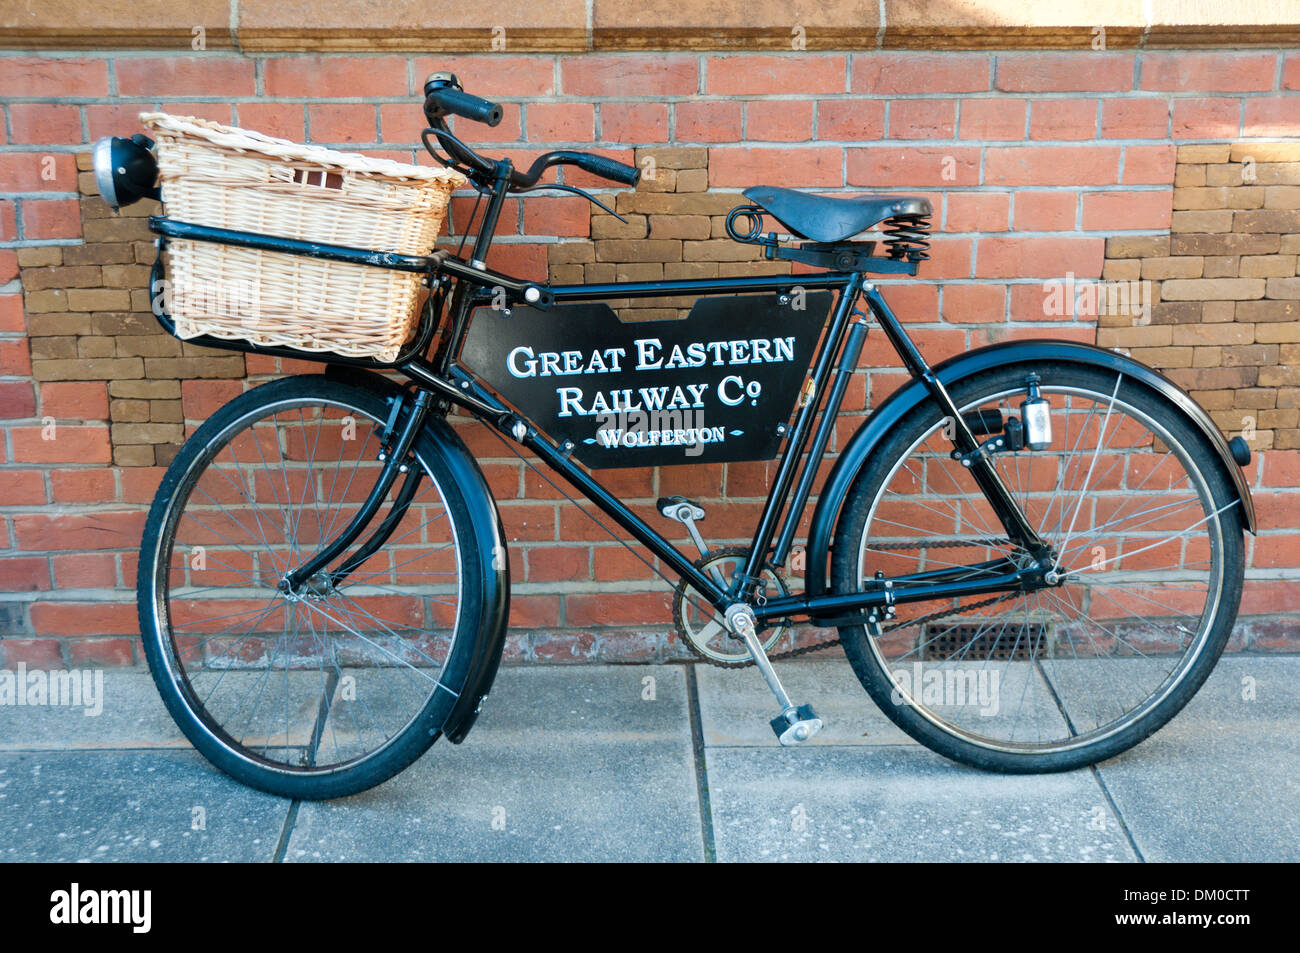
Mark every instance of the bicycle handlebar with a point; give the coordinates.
(443, 97)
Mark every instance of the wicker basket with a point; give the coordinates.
(224, 177)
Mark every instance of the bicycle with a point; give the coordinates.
(324, 581)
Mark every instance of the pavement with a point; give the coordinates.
(668, 763)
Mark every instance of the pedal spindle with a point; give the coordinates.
(907, 237)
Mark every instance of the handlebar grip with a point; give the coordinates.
(460, 103)
(610, 169)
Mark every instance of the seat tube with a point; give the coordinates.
(802, 429)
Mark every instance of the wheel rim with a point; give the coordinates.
(1060, 668)
(328, 679)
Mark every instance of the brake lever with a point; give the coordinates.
(542, 186)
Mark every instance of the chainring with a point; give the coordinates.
(711, 640)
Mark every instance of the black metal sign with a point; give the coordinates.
(708, 388)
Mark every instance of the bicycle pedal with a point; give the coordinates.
(802, 728)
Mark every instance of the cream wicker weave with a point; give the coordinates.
(232, 178)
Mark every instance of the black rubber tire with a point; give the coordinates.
(377, 766)
(848, 537)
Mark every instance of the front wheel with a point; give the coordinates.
(1147, 535)
(336, 688)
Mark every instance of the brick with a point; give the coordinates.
(1227, 244)
(634, 122)
(1148, 165)
(778, 121)
(627, 609)
(746, 166)
(102, 653)
(342, 123)
(1125, 210)
(283, 120)
(1063, 119)
(66, 443)
(1214, 289)
(1281, 287)
(711, 121)
(557, 215)
(1206, 118)
(632, 250)
(747, 75)
(675, 157)
(606, 75)
(1157, 269)
(977, 212)
(1202, 220)
(1267, 220)
(36, 76)
(15, 359)
(1270, 116)
(918, 166)
(80, 618)
(40, 256)
(1045, 211)
(332, 77)
(1217, 71)
(1220, 266)
(1204, 153)
(89, 370)
(1065, 72)
(52, 218)
(24, 574)
(127, 433)
(17, 400)
(846, 120)
(44, 124)
(37, 172)
(1220, 198)
(1264, 152)
(74, 400)
(1282, 197)
(1268, 266)
(607, 226)
(992, 119)
(1260, 312)
(1133, 118)
(560, 122)
(694, 227)
(922, 119)
(1038, 257)
(35, 653)
(172, 76)
(1213, 334)
(184, 368)
(884, 74)
(1052, 165)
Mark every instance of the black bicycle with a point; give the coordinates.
(1032, 552)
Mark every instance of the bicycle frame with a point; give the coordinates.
(472, 285)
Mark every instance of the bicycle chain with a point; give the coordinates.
(923, 620)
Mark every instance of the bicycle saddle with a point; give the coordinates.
(819, 219)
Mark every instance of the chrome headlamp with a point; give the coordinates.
(125, 169)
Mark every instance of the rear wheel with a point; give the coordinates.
(336, 688)
(1148, 533)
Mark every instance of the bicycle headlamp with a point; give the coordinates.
(125, 169)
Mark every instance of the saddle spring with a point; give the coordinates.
(908, 236)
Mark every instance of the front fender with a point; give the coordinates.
(489, 628)
(861, 445)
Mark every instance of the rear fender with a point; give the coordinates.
(863, 443)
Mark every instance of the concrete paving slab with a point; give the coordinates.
(131, 716)
(566, 763)
(1220, 781)
(68, 806)
(900, 804)
(736, 705)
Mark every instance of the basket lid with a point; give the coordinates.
(247, 140)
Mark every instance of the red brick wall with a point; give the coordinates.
(1032, 159)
